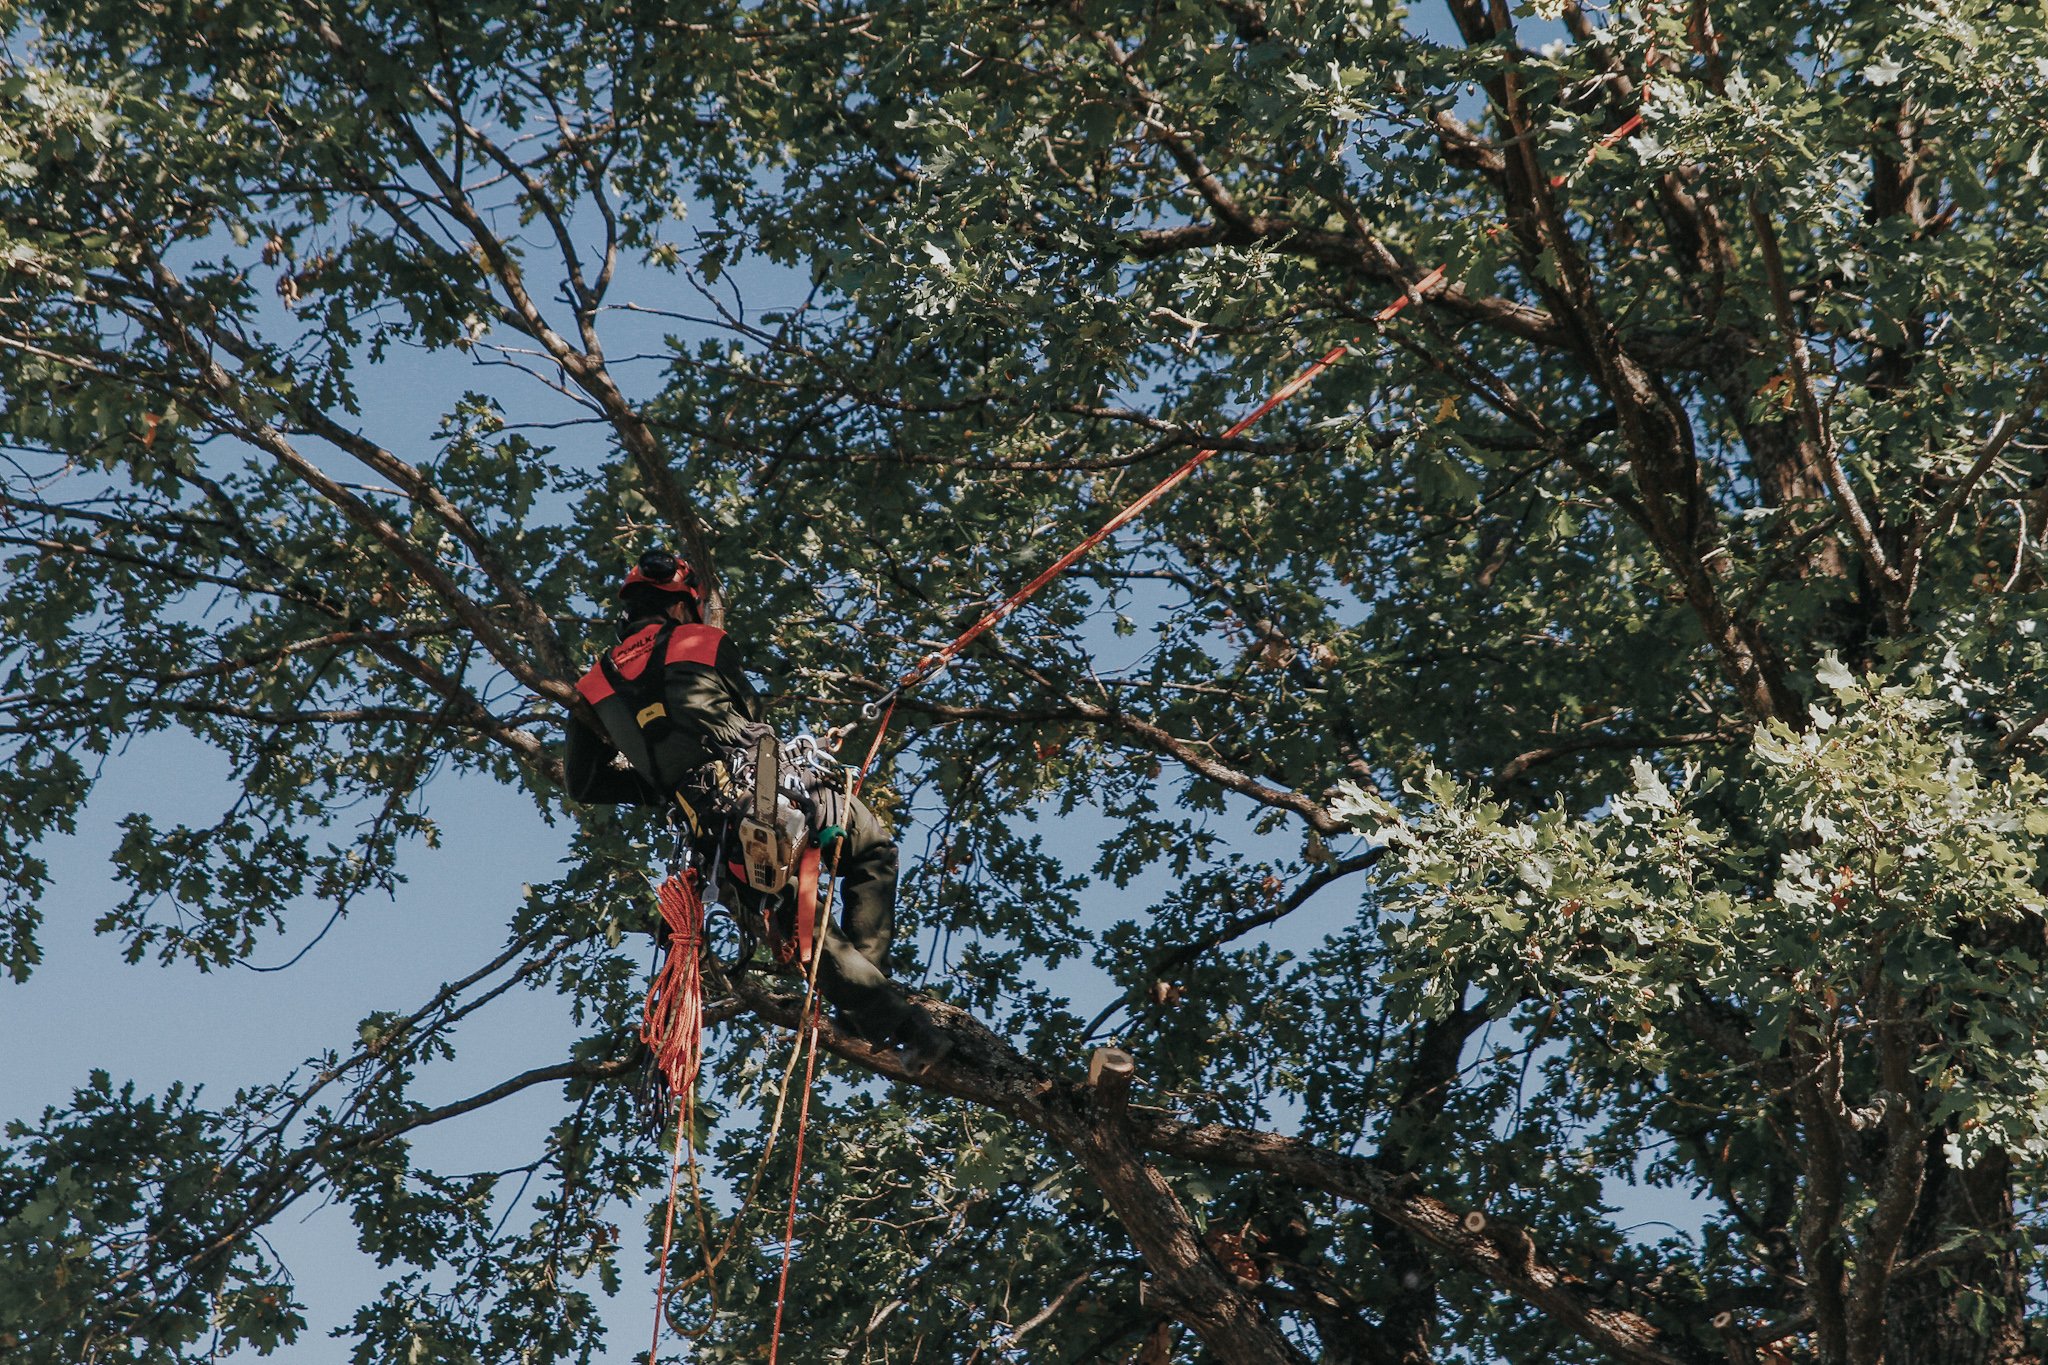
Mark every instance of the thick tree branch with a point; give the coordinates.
(1188, 754)
(584, 367)
(985, 1069)
(1816, 447)
(1993, 446)
(1356, 257)
(1533, 758)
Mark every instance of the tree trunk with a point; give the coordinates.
(1972, 1311)
(1186, 1280)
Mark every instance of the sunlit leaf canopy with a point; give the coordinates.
(1590, 732)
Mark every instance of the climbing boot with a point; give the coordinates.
(920, 1047)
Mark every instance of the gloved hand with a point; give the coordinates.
(751, 732)
(826, 788)
(740, 759)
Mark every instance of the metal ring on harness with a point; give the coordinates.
(743, 938)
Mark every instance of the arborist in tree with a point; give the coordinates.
(683, 731)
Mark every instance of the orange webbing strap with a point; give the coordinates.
(881, 733)
(807, 901)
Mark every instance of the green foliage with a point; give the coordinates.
(1589, 736)
(1886, 842)
(108, 1219)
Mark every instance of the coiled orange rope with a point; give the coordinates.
(672, 1024)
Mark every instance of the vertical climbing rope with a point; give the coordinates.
(674, 1029)
(807, 1021)
(803, 1121)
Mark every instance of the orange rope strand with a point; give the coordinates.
(807, 1020)
(668, 1230)
(803, 1119)
(672, 1024)
(938, 659)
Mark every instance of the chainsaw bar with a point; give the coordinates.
(767, 778)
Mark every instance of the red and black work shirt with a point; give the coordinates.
(701, 707)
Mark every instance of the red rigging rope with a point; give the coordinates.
(931, 663)
(796, 1171)
(1634, 122)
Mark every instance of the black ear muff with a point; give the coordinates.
(659, 566)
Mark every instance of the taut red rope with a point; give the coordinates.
(933, 662)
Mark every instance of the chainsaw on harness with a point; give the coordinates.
(761, 810)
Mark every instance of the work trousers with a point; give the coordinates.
(854, 973)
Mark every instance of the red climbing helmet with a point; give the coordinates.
(662, 571)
